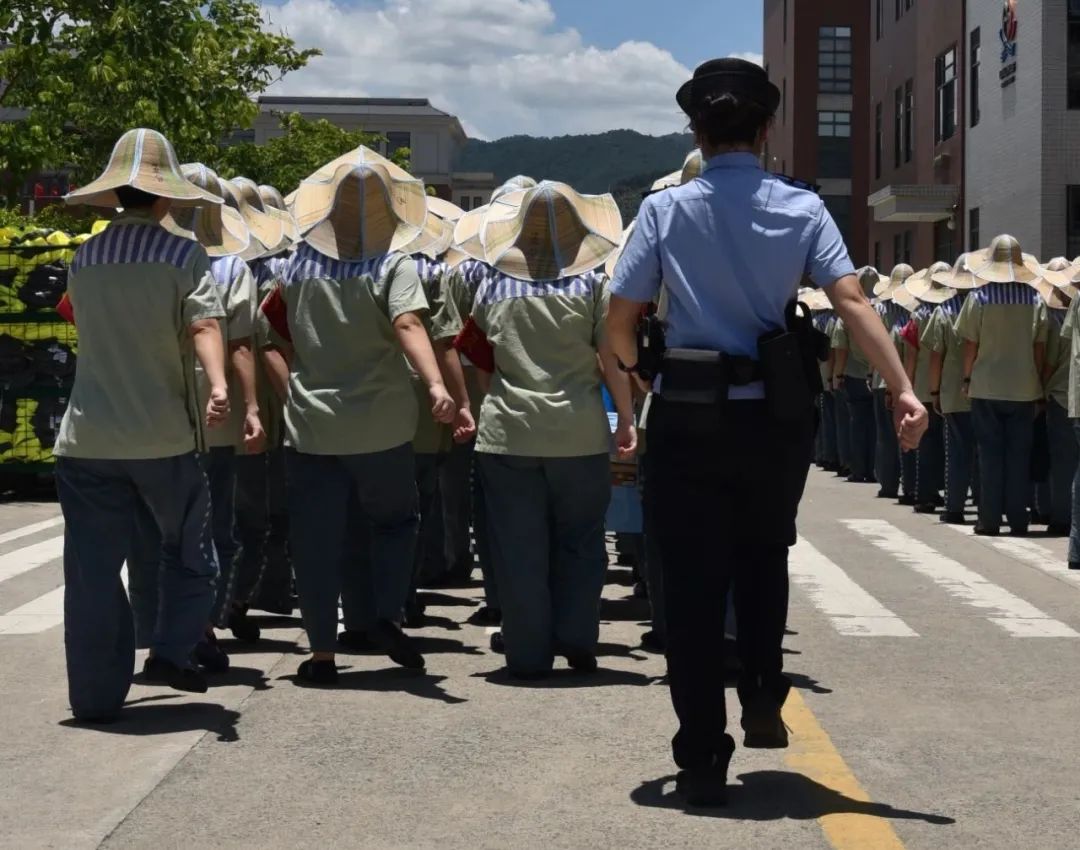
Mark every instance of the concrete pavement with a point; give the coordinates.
(936, 707)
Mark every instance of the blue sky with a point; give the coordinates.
(505, 67)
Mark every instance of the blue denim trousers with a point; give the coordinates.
(843, 427)
(100, 500)
(1063, 461)
(343, 507)
(546, 529)
(1003, 432)
(1074, 532)
(959, 460)
(886, 448)
(930, 461)
(219, 463)
(860, 403)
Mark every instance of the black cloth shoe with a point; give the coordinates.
(762, 722)
(161, 671)
(318, 672)
(886, 494)
(954, 518)
(925, 508)
(985, 531)
(415, 615)
(498, 645)
(1074, 565)
(243, 628)
(706, 786)
(485, 615)
(906, 501)
(1039, 519)
(283, 607)
(652, 642)
(356, 641)
(210, 656)
(1019, 531)
(580, 660)
(397, 645)
(1058, 530)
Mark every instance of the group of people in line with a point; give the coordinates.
(991, 345)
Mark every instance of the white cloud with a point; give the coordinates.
(750, 56)
(502, 66)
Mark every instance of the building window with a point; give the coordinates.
(903, 6)
(877, 255)
(1072, 221)
(973, 76)
(785, 21)
(477, 201)
(944, 243)
(898, 248)
(1074, 55)
(783, 113)
(945, 116)
(898, 129)
(834, 60)
(879, 141)
(834, 145)
(397, 141)
(880, 31)
(463, 202)
(973, 229)
(909, 118)
(908, 249)
(839, 207)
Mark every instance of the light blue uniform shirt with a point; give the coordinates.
(731, 249)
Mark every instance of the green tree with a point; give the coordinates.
(303, 147)
(84, 71)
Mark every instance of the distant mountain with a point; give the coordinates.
(620, 161)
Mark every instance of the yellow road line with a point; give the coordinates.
(813, 755)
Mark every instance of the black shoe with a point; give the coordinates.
(1074, 565)
(651, 642)
(580, 660)
(163, 672)
(1039, 519)
(415, 615)
(886, 494)
(1058, 530)
(283, 607)
(954, 518)
(984, 531)
(356, 641)
(498, 645)
(318, 672)
(397, 645)
(926, 508)
(906, 501)
(485, 615)
(210, 656)
(640, 591)
(1019, 531)
(243, 628)
(528, 675)
(830, 466)
(939, 500)
(706, 787)
(95, 719)
(762, 722)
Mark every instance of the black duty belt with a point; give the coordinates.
(703, 377)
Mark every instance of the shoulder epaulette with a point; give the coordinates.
(797, 184)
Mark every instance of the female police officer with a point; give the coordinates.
(728, 458)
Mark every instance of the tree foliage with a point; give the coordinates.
(303, 147)
(83, 71)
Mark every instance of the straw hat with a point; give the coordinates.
(434, 239)
(1003, 262)
(144, 160)
(900, 273)
(272, 201)
(469, 229)
(444, 209)
(1058, 283)
(514, 184)
(957, 277)
(455, 257)
(616, 255)
(815, 299)
(905, 299)
(360, 212)
(555, 233)
(871, 280)
(267, 225)
(692, 168)
(218, 228)
(924, 286)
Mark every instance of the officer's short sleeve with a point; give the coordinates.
(638, 274)
(200, 299)
(405, 292)
(933, 335)
(445, 318)
(969, 322)
(827, 259)
(1041, 322)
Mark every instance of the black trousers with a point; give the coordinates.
(723, 485)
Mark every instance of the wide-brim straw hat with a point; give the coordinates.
(556, 233)
(266, 223)
(454, 257)
(905, 299)
(434, 239)
(1061, 273)
(1003, 262)
(616, 255)
(900, 273)
(256, 247)
(145, 160)
(360, 212)
(218, 228)
(871, 280)
(514, 184)
(274, 203)
(957, 277)
(444, 209)
(693, 166)
(923, 287)
(469, 229)
(362, 155)
(815, 299)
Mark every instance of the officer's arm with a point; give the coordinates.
(622, 319)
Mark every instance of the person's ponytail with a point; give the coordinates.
(725, 118)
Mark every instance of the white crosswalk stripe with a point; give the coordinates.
(37, 615)
(33, 528)
(1011, 613)
(1029, 552)
(30, 557)
(850, 609)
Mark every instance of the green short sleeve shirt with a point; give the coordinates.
(441, 321)
(135, 290)
(1070, 332)
(1006, 320)
(1058, 358)
(349, 387)
(545, 398)
(857, 366)
(940, 337)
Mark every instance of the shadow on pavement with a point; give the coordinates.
(269, 646)
(767, 795)
(247, 676)
(137, 718)
(619, 650)
(417, 683)
(625, 608)
(807, 683)
(440, 646)
(568, 679)
(445, 600)
(276, 621)
(430, 622)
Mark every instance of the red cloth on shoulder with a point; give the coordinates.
(273, 307)
(66, 311)
(474, 344)
(910, 333)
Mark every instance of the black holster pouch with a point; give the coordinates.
(651, 344)
(789, 365)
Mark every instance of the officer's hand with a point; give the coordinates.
(217, 408)
(626, 439)
(464, 426)
(911, 420)
(254, 433)
(442, 405)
